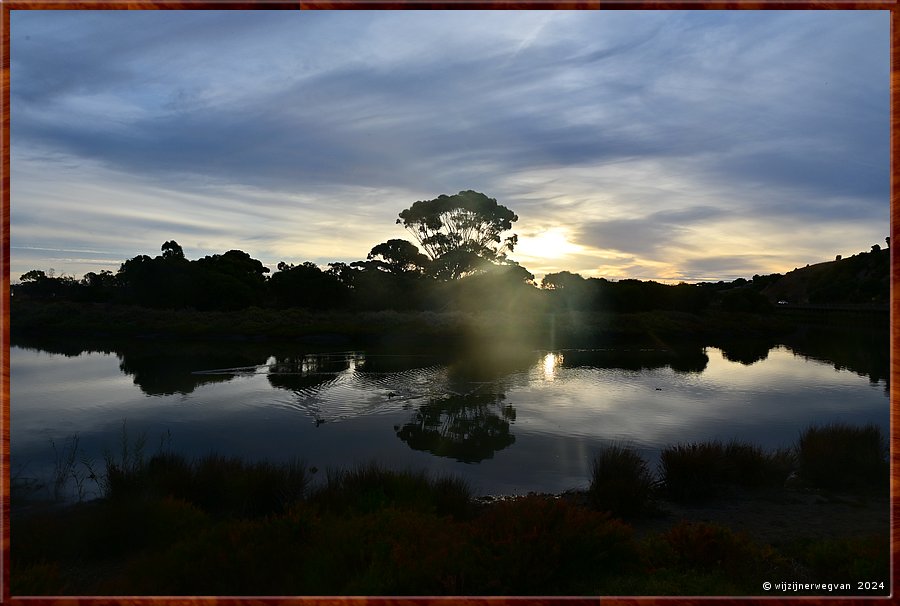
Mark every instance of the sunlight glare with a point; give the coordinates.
(550, 363)
(551, 243)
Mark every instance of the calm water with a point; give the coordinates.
(508, 425)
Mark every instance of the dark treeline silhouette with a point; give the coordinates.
(234, 280)
(464, 267)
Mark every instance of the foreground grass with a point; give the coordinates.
(220, 526)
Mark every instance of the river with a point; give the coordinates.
(527, 421)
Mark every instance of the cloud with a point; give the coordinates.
(646, 235)
(646, 133)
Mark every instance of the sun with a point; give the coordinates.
(551, 243)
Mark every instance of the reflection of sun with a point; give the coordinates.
(548, 244)
(550, 363)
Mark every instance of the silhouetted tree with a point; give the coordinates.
(232, 280)
(306, 285)
(344, 273)
(458, 232)
(398, 257)
(570, 291)
(99, 287)
(37, 284)
(171, 250)
(562, 280)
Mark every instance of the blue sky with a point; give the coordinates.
(683, 145)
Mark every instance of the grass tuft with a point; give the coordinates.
(692, 471)
(621, 482)
(843, 457)
(371, 487)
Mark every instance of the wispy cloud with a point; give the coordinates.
(652, 137)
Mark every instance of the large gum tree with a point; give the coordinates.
(460, 233)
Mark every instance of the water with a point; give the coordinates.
(520, 423)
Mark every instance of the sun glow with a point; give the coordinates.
(549, 244)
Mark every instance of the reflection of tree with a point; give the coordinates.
(159, 367)
(682, 359)
(165, 368)
(468, 428)
(746, 351)
(299, 373)
(65, 346)
(859, 348)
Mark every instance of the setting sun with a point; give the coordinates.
(548, 244)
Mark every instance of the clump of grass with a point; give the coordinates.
(621, 482)
(747, 464)
(219, 485)
(123, 473)
(700, 470)
(371, 487)
(844, 457)
(692, 471)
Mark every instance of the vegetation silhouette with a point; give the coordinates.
(463, 264)
(689, 358)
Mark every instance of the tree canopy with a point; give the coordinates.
(460, 232)
(398, 257)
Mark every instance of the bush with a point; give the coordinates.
(710, 548)
(621, 483)
(692, 471)
(705, 546)
(747, 465)
(844, 457)
(863, 558)
(535, 545)
(701, 470)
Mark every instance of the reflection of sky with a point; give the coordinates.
(679, 145)
(563, 414)
(768, 402)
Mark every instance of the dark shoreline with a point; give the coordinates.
(558, 329)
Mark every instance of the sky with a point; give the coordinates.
(657, 145)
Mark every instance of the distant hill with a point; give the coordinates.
(864, 278)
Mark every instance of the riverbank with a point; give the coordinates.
(729, 546)
(220, 526)
(390, 328)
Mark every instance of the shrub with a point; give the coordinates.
(746, 464)
(844, 457)
(700, 470)
(701, 546)
(230, 486)
(862, 558)
(710, 548)
(692, 471)
(393, 552)
(538, 545)
(621, 482)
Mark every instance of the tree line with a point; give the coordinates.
(459, 262)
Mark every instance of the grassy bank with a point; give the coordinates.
(220, 526)
(557, 329)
